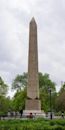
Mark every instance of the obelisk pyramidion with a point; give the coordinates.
(32, 102)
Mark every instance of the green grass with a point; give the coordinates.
(36, 124)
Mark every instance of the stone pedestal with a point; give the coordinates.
(33, 104)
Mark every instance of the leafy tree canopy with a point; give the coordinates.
(60, 100)
(3, 87)
(44, 83)
(18, 101)
(20, 82)
(62, 89)
(4, 105)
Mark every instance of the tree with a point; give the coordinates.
(4, 105)
(60, 100)
(62, 89)
(3, 87)
(20, 82)
(18, 101)
(44, 83)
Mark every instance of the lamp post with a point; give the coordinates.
(50, 104)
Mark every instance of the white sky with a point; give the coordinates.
(15, 16)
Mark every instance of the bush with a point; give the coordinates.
(60, 122)
(52, 123)
(59, 128)
(37, 124)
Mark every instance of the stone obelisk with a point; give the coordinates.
(33, 103)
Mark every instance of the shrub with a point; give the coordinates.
(52, 123)
(59, 128)
(60, 122)
(39, 124)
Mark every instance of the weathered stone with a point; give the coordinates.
(33, 102)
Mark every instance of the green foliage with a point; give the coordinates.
(62, 89)
(20, 82)
(32, 125)
(60, 100)
(4, 105)
(4, 101)
(18, 101)
(3, 87)
(44, 83)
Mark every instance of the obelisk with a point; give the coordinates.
(33, 102)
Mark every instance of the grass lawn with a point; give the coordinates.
(36, 124)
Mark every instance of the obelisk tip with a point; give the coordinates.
(33, 20)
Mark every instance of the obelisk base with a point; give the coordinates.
(33, 104)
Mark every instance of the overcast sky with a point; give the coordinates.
(15, 16)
